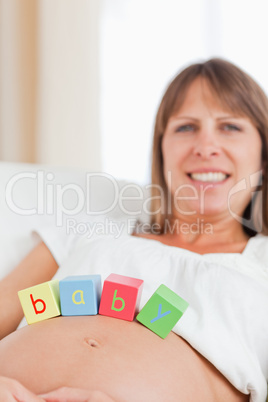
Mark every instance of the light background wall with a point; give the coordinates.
(49, 82)
(80, 81)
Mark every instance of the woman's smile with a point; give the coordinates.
(211, 176)
(208, 177)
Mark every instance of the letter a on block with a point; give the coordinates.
(81, 301)
(80, 295)
(40, 302)
(162, 311)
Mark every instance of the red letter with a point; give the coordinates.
(36, 301)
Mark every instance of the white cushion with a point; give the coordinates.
(33, 196)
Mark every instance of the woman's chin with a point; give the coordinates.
(207, 211)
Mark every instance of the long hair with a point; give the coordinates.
(236, 91)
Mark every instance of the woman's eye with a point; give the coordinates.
(184, 128)
(231, 127)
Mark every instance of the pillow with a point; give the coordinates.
(34, 196)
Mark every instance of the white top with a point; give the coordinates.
(226, 320)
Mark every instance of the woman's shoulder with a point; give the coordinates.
(257, 249)
(149, 236)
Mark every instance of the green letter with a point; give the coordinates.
(118, 298)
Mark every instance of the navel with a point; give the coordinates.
(92, 342)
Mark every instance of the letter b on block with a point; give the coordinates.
(162, 311)
(40, 302)
(120, 297)
(80, 295)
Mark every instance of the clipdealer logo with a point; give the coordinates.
(52, 198)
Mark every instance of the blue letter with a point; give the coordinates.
(159, 315)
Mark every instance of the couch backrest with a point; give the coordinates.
(37, 195)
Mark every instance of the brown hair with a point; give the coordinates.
(236, 91)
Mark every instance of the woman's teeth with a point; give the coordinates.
(209, 177)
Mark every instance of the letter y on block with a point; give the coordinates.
(159, 315)
(162, 311)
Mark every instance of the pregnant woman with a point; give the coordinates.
(209, 166)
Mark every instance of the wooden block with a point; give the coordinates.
(162, 311)
(40, 302)
(80, 295)
(120, 297)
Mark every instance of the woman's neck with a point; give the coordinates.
(203, 231)
(203, 236)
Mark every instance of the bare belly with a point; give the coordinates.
(123, 359)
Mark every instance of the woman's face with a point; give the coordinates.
(210, 156)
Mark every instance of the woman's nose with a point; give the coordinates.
(206, 145)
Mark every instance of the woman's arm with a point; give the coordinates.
(37, 267)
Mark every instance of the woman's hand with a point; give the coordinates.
(66, 394)
(12, 391)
